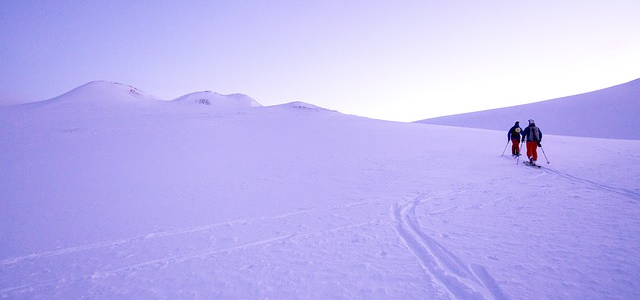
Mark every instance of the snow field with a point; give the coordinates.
(156, 200)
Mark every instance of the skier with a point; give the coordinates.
(514, 135)
(533, 136)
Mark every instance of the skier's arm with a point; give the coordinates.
(540, 131)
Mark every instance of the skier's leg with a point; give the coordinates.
(529, 150)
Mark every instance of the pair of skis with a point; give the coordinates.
(528, 163)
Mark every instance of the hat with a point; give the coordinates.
(531, 121)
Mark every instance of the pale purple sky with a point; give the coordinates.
(390, 59)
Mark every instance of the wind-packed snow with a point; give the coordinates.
(607, 113)
(109, 193)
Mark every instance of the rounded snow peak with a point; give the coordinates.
(232, 101)
(104, 91)
(302, 105)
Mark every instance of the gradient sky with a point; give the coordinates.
(399, 60)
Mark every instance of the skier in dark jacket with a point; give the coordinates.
(514, 136)
(533, 137)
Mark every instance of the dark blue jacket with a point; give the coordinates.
(513, 134)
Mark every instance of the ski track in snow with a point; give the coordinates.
(139, 243)
(106, 244)
(459, 279)
(623, 192)
(161, 261)
(153, 235)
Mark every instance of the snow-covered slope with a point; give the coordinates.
(166, 201)
(104, 93)
(607, 113)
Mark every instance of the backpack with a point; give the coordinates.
(515, 133)
(534, 134)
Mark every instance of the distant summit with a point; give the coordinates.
(607, 113)
(107, 95)
(118, 98)
(301, 105)
(104, 91)
(218, 100)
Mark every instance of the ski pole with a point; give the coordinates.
(505, 148)
(519, 152)
(545, 155)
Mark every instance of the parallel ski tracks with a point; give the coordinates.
(140, 241)
(160, 261)
(459, 279)
(160, 234)
(620, 191)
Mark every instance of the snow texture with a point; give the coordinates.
(110, 193)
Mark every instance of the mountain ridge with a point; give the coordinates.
(617, 108)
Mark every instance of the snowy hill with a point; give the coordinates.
(234, 101)
(103, 92)
(607, 113)
(143, 199)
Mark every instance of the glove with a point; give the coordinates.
(539, 145)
